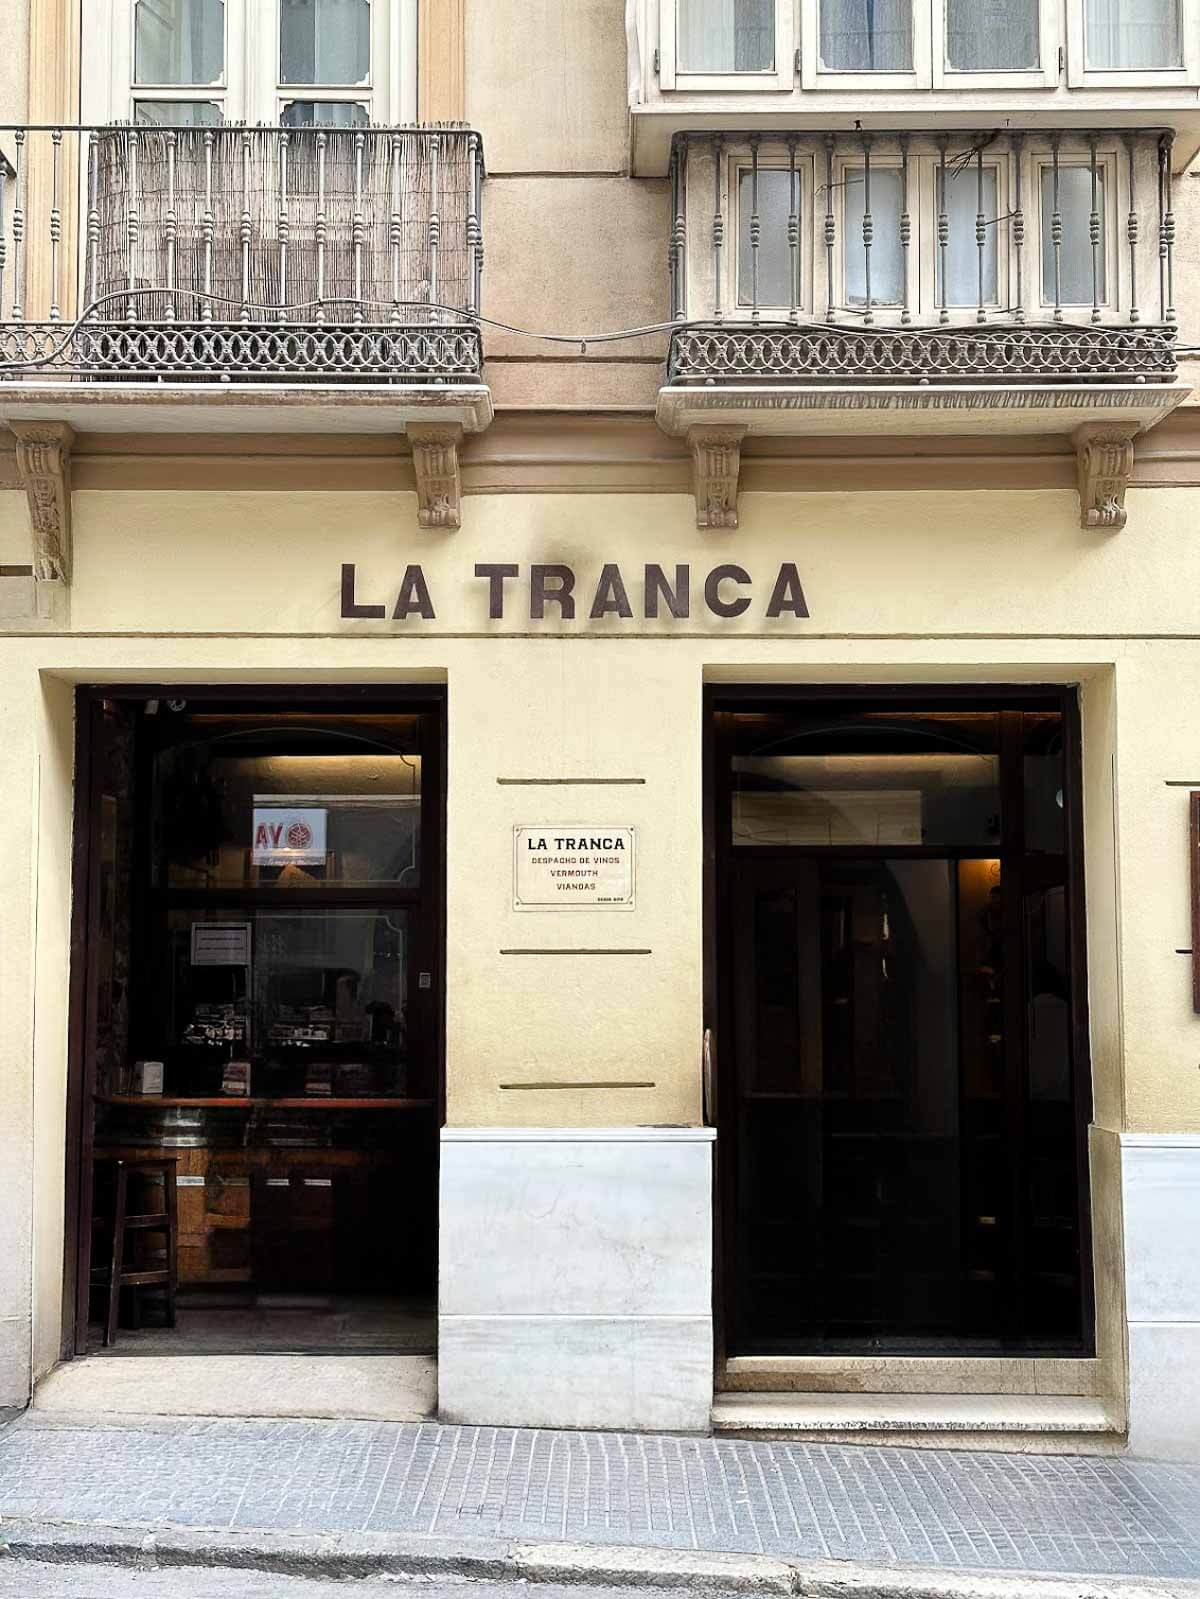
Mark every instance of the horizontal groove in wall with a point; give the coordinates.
(569, 782)
(576, 952)
(612, 1083)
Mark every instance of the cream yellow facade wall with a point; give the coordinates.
(18, 806)
(921, 585)
(908, 587)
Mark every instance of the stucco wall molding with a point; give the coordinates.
(43, 459)
(1104, 454)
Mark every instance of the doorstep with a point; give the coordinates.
(310, 1387)
(1018, 1423)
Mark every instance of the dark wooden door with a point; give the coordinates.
(901, 1110)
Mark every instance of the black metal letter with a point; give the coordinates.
(788, 593)
(371, 613)
(561, 596)
(495, 576)
(679, 600)
(610, 594)
(413, 596)
(712, 591)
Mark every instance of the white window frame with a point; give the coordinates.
(1116, 205)
(815, 76)
(251, 90)
(883, 313)
(736, 164)
(1045, 75)
(112, 32)
(927, 206)
(782, 78)
(1080, 76)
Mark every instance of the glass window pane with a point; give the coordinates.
(887, 266)
(774, 251)
(1132, 35)
(991, 35)
(179, 41)
(725, 35)
(950, 797)
(318, 1008)
(177, 113)
(325, 41)
(1075, 255)
(324, 114)
(866, 35)
(300, 822)
(962, 248)
(1045, 782)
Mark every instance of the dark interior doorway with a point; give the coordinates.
(257, 994)
(898, 988)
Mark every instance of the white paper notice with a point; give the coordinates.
(575, 867)
(220, 943)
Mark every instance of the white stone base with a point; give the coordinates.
(576, 1277)
(1160, 1193)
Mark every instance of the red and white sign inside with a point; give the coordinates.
(286, 836)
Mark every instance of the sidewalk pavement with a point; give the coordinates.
(342, 1498)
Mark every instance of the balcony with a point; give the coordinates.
(902, 283)
(329, 272)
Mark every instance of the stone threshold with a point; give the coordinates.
(308, 1387)
(1024, 1423)
(909, 1374)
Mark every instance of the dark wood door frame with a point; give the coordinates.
(90, 700)
(718, 974)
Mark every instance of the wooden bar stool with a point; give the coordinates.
(115, 1275)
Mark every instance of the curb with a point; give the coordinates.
(339, 1556)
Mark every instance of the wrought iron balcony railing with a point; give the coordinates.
(908, 258)
(301, 255)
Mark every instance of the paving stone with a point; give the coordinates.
(1053, 1513)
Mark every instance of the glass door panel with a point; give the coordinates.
(905, 1108)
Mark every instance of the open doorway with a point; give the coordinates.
(257, 1001)
(898, 982)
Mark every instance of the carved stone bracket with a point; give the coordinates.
(435, 462)
(1104, 454)
(44, 468)
(716, 465)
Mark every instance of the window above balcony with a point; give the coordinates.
(738, 64)
(333, 63)
(897, 229)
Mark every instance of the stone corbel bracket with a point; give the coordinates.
(716, 467)
(435, 462)
(1104, 456)
(44, 468)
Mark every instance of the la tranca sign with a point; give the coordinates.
(555, 592)
(573, 867)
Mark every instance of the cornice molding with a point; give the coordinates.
(548, 452)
